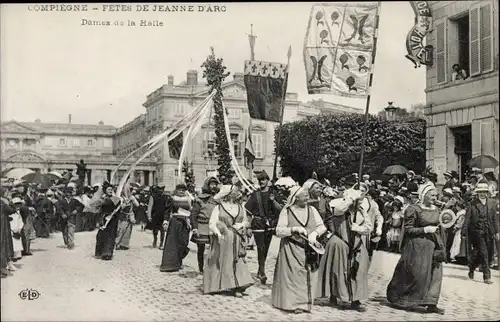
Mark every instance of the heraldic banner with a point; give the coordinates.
(338, 48)
(175, 147)
(266, 87)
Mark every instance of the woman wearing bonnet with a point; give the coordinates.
(341, 277)
(296, 264)
(226, 270)
(419, 273)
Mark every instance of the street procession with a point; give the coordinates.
(232, 199)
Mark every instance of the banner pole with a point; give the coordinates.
(252, 38)
(282, 113)
(368, 98)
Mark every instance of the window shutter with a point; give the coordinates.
(486, 33)
(474, 39)
(441, 51)
(487, 145)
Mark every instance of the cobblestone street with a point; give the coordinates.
(75, 286)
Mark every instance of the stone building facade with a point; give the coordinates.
(462, 114)
(45, 147)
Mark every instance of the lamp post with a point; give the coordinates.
(390, 112)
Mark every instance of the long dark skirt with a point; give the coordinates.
(105, 239)
(417, 279)
(6, 246)
(140, 215)
(42, 227)
(176, 245)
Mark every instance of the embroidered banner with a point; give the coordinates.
(265, 84)
(338, 48)
(175, 147)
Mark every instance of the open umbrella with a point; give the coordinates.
(395, 170)
(55, 173)
(17, 173)
(483, 162)
(37, 178)
(52, 177)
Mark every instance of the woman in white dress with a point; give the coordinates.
(16, 226)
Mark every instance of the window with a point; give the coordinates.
(463, 42)
(209, 141)
(234, 113)
(236, 140)
(257, 145)
(179, 109)
(481, 38)
(62, 142)
(90, 142)
(108, 143)
(76, 142)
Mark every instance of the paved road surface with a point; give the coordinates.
(75, 286)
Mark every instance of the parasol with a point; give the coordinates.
(55, 173)
(285, 182)
(37, 178)
(483, 162)
(17, 173)
(395, 170)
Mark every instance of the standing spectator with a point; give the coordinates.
(67, 215)
(449, 180)
(481, 227)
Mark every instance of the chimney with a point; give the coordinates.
(69, 118)
(170, 80)
(192, 78)
(239, 77)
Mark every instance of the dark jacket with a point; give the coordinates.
(68, 208)
(263, 210)
(472, 216)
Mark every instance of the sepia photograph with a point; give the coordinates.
(250, 161)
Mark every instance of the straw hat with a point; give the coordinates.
(481, 187)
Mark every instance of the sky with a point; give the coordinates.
(52, 65)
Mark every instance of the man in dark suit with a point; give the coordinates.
(481, 227)
(67, 210)
(264, 212)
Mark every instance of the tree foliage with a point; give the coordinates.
(189, 179)
(330, 145)
(215, 73)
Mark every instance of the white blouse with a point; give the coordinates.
(233, 210)
(282, 228)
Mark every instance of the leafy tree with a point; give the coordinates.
(330, 145)
(189, 179)
(215, 73)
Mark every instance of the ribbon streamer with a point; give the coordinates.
(168, 131)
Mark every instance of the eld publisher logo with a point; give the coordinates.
(29, 294)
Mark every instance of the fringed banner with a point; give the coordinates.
(338, 48)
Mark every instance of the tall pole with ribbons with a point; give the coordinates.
(282, 113)
(370, 82)
(251, 39)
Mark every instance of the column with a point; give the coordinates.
(150, 179)
(89, 177)
(141, 178)
(108, 175)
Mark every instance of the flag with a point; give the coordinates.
(338, 49)
(175, 147)
(265, 84)
(249, 153)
